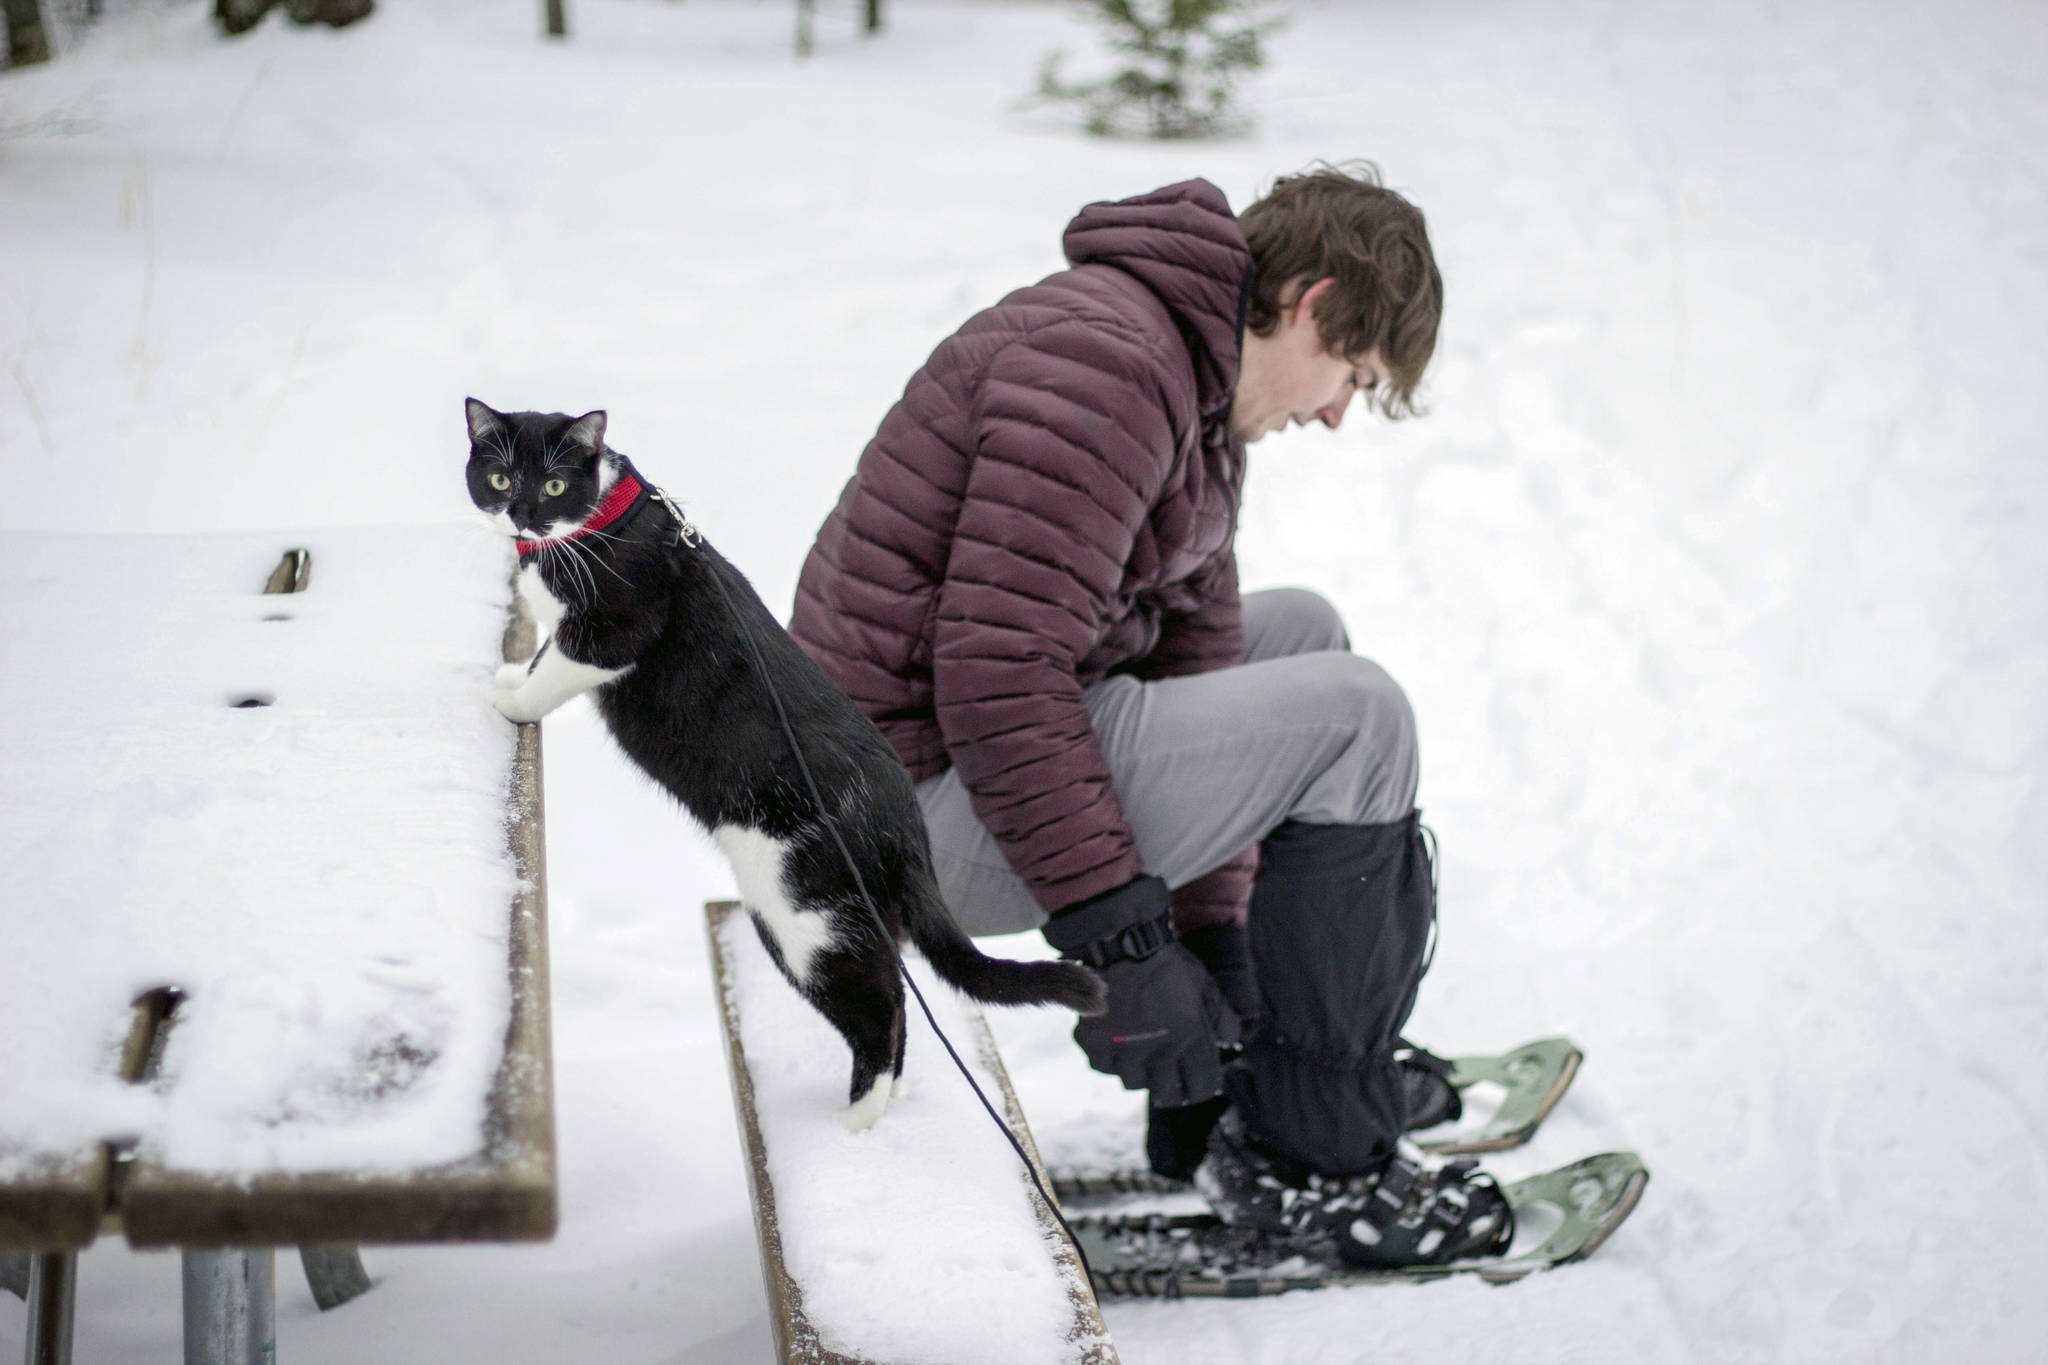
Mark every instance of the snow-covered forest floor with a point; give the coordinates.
(1718, 572)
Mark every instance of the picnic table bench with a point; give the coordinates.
(306, 787)
(921, 1238)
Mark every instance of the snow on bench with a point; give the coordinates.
(919, 1241)
(295, 825)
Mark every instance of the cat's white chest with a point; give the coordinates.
(545, 608)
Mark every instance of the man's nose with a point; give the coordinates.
(1333, 415)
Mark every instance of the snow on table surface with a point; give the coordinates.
(916, 1241)
(324, 877)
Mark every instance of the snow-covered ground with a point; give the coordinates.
(1718, 573)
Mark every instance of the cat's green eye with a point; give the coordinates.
(500, 482)
(555, 487)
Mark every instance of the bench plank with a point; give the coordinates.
(797, 1338)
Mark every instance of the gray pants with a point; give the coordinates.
(1207, 766)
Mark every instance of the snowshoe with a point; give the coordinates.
(1530, 1080)
(1560, 1216)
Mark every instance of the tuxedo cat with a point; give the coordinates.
(632, 604)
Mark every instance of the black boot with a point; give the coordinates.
(1410, 1210)
(1426, 1080)
(1340, 926)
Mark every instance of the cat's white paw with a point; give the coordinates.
(514, 707)
(862, 1113)
(899, 1087)
(508, 678)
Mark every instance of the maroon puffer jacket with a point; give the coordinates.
(1053, 498)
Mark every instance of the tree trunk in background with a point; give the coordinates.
(239, 16)
(27, 40)
(874, 16)
(335, 13)
(806, 15)
(558, 18)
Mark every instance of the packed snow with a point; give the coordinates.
(1715, 573)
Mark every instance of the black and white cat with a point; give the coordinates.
(628, 601)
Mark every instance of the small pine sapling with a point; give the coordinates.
(1182, 63)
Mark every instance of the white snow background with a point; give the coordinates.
(1718, 573)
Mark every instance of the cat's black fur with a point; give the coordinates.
(692, 710)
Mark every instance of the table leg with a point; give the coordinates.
(334, 1274)
(231, 1307)
(52, 1297)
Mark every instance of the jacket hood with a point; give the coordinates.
(1184, 244)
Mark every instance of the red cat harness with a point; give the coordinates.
(624, 499)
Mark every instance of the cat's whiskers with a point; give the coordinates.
(577, 577)
(592, 557)
(579, 559)
(559, 455)
(614, 539)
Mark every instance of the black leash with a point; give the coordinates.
(688, 533)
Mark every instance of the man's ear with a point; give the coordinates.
(1310, 298)
(587, 431)
(483, 422)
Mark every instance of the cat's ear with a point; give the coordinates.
(483, 422)
(587, 431)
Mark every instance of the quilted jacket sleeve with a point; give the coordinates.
(1073, 443)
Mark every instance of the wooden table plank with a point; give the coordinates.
(505, 1193)
(53, 1203)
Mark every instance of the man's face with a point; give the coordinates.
(1288, 377)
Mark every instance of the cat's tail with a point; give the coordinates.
(996, 980)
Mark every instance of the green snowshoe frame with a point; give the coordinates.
(1535, 1076)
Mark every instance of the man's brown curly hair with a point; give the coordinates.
(1339, 222)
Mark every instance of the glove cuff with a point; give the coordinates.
(1128, 924)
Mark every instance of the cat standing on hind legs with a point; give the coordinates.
(635, 607)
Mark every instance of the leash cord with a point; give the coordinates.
(860, 884)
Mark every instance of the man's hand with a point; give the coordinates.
(1166, 1023)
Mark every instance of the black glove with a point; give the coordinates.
(1176, 1140)
(1166, 1022)
(1226, 950)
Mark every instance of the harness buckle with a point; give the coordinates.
(686, 534)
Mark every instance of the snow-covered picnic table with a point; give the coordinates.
(272, 962)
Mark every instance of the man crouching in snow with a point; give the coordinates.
(1030, 585)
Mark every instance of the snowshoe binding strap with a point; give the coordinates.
(1413, 1215)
